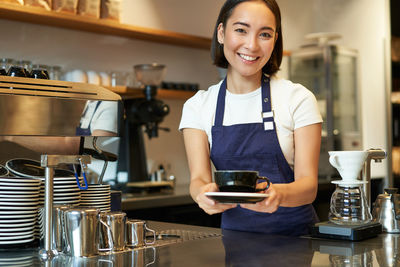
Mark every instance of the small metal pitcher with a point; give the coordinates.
(136, 233)
(386, 210)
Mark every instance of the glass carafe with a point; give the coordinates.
(349, 206)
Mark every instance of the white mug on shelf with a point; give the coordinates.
(105, 79)
(76, 76)
(93, 77)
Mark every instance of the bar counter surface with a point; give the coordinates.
(178, 196)
(216, 247)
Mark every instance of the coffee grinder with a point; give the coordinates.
(142, 115)
(350, 217)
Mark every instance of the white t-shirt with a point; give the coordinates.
(294, 106)
(104, 118)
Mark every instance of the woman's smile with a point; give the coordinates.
(248, 58)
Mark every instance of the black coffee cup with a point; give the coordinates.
(239, 181)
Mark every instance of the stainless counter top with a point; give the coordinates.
(178, 196)
(232, 249)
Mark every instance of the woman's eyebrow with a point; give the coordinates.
(248, 25)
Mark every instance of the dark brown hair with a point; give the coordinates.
(217, 50)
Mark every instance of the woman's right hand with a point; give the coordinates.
(207, 204)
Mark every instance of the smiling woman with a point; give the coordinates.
(251, 121)
(247, 40)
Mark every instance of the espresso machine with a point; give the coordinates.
(142, 116)
(350, 215)
(46, 108)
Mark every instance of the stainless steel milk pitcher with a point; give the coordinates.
(83, 227)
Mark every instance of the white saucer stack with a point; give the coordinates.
(19, 203)
(97, 196)
(20, 258)
(65, 191)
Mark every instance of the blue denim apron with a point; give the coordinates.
(255, 146)
(86, 131)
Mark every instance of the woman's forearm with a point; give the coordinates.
(300, 192)
(196, 188)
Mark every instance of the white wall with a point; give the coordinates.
(74, 49)
(364, 26)
(361, 22)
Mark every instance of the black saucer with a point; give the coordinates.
(236, 197)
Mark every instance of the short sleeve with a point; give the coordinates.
(306, 111)
(105, 117)
(191, 114)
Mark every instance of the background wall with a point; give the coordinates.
(362, 23)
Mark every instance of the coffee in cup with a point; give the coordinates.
(239, 181)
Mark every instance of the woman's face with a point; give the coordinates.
(248, 37)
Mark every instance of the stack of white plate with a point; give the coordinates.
(19, 203)
(65, 191)
(97, 196)
(19, 258)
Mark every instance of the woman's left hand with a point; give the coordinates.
(269, 204)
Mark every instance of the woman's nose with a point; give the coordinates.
(252, 42)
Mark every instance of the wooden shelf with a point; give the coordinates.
(41, 16)
(127, 92)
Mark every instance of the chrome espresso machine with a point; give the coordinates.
(47, 108)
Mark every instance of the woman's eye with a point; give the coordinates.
(240, 30)
(265, 35)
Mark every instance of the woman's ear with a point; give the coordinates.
(220, 33)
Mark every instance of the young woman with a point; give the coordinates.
(253, 120)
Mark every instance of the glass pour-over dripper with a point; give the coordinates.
(349, 205)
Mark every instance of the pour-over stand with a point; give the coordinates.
(353, 232)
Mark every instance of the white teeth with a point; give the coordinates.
(247, 57)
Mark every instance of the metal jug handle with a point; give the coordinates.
(154, 257)
(395, 207)
(395, 204)
(108, 262)
(154, 235)
(109, 236)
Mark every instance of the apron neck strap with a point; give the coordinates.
(266, 99)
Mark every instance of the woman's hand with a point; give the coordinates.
(269, 204)
(207, 204)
